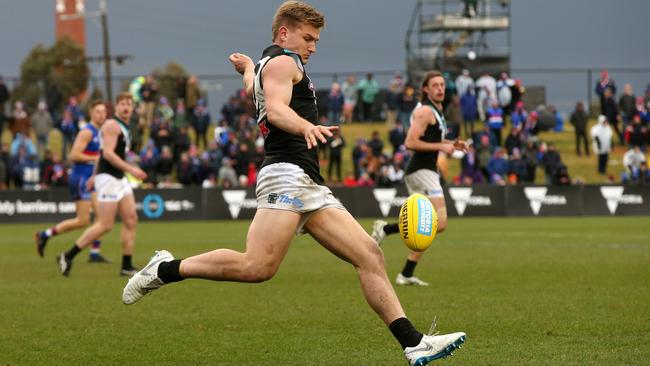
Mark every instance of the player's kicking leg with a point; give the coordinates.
(268, 240)
(337, 231)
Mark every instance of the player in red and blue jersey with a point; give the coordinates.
(84, 155)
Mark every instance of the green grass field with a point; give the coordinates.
(538, 291)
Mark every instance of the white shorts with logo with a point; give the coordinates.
(285, 186)
(111, 189)
(424, 181)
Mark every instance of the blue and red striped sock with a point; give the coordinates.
(95, 248)
(48, 233)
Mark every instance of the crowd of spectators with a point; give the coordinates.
(177, 142)
(171, 140)
(483, 110)
(476, 109)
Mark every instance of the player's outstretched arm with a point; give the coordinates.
(422, 117)
(110, 133)
(278, 78)
(245, 66)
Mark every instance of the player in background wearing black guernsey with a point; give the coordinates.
(114, 194)
(426, 136)
(289, 196)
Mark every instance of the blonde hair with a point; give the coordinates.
(293, 13)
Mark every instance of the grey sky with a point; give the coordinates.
(361, 35)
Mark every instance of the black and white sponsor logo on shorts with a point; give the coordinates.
(614, 196)
(387, 199)
(463, 197)
(236, 200)
(538, 197)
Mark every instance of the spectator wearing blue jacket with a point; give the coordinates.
(335, 105)
(69, 130)
(604, 83)
(470, 170)
(559, 121)
(498, 167)
(494, 116)
(149, 161)
(74, 109)
(517, 167)
(519, 116)
(406, 102)
(201, 123)
(492, 140)
(24, 169)
(470, 110)
(22, 141)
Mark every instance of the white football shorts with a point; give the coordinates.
(424, 181)
(285, 186)
(111, 189)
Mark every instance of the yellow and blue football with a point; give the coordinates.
(418, 222)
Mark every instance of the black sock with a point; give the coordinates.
(409, 267)
(391, 229)
(405, 332)
(170, 271)
(126, 262)
(70, 254)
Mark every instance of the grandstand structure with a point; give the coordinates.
(452, 35)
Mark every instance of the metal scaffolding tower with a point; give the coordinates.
(451, 35)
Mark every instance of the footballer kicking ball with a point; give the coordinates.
(418, 222)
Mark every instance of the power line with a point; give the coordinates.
(107, 58)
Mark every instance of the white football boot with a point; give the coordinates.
(433, 347)
(409, 281)
(378, 232)
(146, 280)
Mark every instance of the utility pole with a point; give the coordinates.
(107, 51)
(106, 58)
